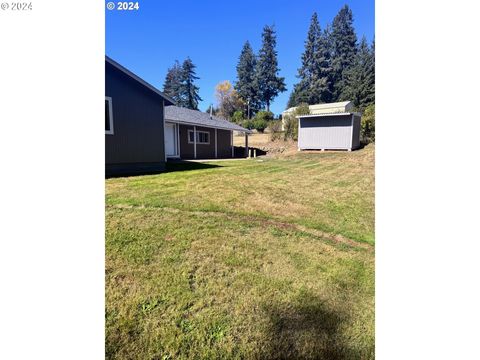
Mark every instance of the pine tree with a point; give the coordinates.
(268, 83)
(315, 74)
(344, 42)
(245, 84)
(360, 77)
(189, 97)
(172, 84)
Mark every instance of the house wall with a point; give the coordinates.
(326, 132)
(137, 144)
(205, 151)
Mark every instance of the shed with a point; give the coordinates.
(329, 131)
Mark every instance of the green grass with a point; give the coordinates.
(243, 260)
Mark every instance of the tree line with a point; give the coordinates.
(334, 68)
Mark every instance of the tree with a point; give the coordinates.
(173, 81)
(228, 99)
(315, 73)
(360, 77)
(189, 97)
(245, 85)
(368, 124)
(344, 42)
(262, 119)
(267, 81)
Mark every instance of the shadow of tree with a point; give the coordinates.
(307, 329)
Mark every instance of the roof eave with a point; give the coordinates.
(207, 126)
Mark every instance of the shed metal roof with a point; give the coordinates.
(139, 79)
(340, 107)
(194, 117)
(328, 114)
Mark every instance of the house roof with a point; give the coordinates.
(194, 117)
(169, 101)
(337, 107)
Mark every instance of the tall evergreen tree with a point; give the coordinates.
(268, 83)
(344, 42)
(189, 91)
(360, 77)
(245, 84)
(173, 81)
(315, 74)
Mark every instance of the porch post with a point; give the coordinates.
(246, 144)
(216, 143)
(231, 143)
(194, 142)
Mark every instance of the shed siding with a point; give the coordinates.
(205, 151)
(327, 132)
(138, 139)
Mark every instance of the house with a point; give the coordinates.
(344, 106)
(331, 131)
(134, 122)
(139, 140)
(191, 134)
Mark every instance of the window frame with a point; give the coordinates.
(198, 139)
(110, 115)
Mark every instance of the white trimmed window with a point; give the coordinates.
(108, 116)
(203, 137)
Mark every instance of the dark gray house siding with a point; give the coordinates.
(329, 132)
(137, 142)
(205, 151)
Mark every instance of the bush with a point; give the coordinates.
(261, 120)
(368, 124)
(275, 127)
(248, 124)
(264, 115)
(260, 125)
(237, 117)
(291, 122)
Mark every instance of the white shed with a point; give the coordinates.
(329, 131)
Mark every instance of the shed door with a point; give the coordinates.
(170, 140)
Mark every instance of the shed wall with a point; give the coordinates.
(326, 132)
(356, 132)
(138, 140)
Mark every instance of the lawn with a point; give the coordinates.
(250, 259)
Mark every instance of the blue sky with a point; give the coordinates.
(212, 33)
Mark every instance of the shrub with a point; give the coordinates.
(261, 120)
(237, 117)
(275, 127)
(368, 124)
(248, 124)
(264, 115)
(260, 125)
(291, 122)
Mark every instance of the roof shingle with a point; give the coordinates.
(195, 117)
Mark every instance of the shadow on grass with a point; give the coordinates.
(183, 165)
(307, 329)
